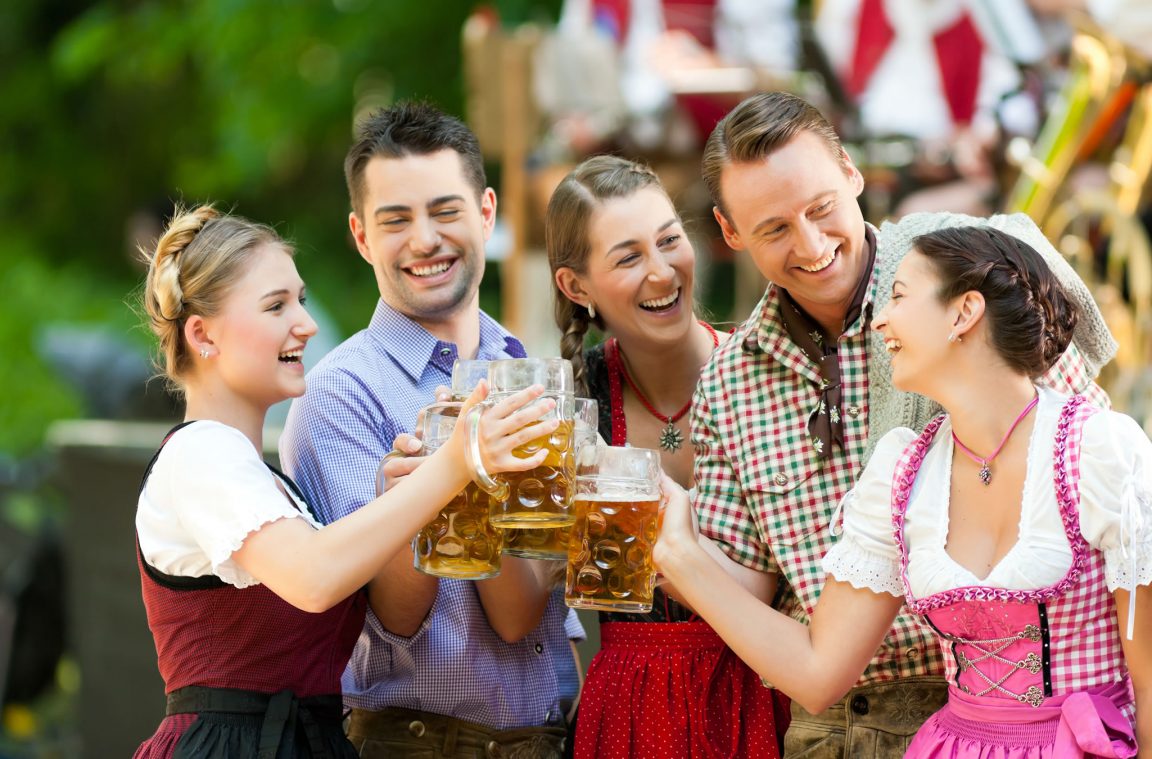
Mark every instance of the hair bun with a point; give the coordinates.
(164, 266)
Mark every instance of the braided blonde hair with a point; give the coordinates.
(197, 259)
(566, 224)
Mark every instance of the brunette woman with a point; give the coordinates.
(663, 684)
(1018, 525)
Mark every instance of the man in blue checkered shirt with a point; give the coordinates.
(444, 668)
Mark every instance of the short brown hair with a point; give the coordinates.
(758, 127)
(411, 128)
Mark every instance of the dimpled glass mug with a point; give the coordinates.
(460, 542)
(541, 496)
(616, 508)
(551, 543)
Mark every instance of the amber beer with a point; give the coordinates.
(551, 543)
(548, 543)
(610, 554)
(616, 508)
(541, 496)
(460, 542)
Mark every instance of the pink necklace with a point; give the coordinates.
(985, 461)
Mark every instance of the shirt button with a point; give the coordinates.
(781, 479)
(539, 648)
(445, 352)
(913, 653)
(853, 411)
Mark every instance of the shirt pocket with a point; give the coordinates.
(781, 478)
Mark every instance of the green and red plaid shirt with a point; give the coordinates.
(764, 493)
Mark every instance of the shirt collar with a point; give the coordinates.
(770, 327)
(415, 348)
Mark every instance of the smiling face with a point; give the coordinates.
(260, 332)
(640, 268)
(796, 214)
(915, 325)
(422, 228)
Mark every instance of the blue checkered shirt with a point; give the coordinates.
(360, 396)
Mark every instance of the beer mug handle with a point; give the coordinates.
(380, 470)
(498, 489)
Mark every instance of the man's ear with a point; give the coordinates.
(359, 235)
(730, 235)
(488, 211)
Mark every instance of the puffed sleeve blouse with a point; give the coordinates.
(1115, 512)
(208, 491)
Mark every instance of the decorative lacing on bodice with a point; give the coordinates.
(999, 637)
(1067, 496)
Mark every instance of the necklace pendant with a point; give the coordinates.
(671, 438)
(985, 473)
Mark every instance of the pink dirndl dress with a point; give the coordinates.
(1035, 674)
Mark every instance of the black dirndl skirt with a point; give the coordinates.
(220, 723)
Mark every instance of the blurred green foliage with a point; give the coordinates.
(118, 108)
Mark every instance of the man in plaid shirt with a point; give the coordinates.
(781, 415)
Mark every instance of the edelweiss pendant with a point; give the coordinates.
(985, 473)
(671, 438)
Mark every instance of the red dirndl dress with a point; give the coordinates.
(675, 689)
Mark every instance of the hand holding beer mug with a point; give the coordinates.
(541, 495)
(616, 508)
(551, 543)
(461, 542)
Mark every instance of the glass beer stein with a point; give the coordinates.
(616, 509)
(541, 496)
(460, 542)
(466, 374)
(551, 543)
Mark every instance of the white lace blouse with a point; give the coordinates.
(208, 491)
(1115, 512)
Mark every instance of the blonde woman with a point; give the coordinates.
(254, 606)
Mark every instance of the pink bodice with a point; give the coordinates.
(1026, 646)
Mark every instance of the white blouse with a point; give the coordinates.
(208, 491)
(1115, 512)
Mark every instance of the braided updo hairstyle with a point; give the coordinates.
(566, 225)
(200, 255)
(1030, 317)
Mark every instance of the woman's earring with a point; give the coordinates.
(954, 338)
(591, 310)
(203, 353)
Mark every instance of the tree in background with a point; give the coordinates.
(114, 109)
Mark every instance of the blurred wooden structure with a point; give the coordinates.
(503, 114)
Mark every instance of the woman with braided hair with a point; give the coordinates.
(253, 605)
(663, 684)
(1016, 525)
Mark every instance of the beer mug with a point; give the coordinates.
(466, 374)
(541, 496)
(552, 542)
(460, 542)
(616, 509)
